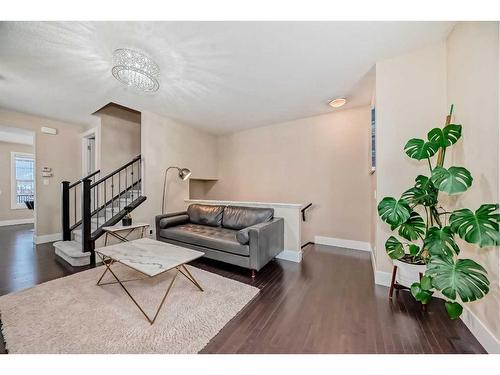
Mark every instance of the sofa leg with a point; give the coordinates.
(253, 274)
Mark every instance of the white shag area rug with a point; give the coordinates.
(74, 315)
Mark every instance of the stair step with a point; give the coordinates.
(71, 252)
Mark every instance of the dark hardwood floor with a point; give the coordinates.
(326, 304)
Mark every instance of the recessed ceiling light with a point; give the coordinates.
(337, 103)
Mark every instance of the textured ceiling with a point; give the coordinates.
(217, 76)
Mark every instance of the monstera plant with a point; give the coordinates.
(427, 232)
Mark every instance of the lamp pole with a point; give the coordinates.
(184, 173)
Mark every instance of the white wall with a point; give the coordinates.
(473, 87)
(411, 99)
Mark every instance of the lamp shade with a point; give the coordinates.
(184, 173)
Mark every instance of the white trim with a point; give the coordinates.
(4, 223)
(48, 238)
(380, 277)
(485, 337)
(243, 203)
(339, 242)
(84, 136)
(13, 154)
(292, 256)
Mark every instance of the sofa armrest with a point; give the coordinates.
(171, 219)
(266, 240)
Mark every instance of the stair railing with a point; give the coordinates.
(71, 211)
(109, 193)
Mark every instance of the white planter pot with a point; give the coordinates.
(408, 273)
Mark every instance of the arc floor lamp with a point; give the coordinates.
(183, 174)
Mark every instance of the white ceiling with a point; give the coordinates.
(217, 76)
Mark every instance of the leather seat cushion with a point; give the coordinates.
(218, 238)
(237, 218)
(204, 214)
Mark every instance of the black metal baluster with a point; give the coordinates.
(98, 212)
(119, 190)
(93, 182)
(132, 172)
(112, 197)
(74, 190)
(126, 184)
(87, 245)
(105, 200)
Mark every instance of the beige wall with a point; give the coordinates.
(322, 159)
(165, 143)
(410, 99)
(6, 213)
(120, 141)
(472, 86)
(55, 151)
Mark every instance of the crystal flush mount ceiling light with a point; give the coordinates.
(135, 69)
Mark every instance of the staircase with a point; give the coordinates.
(92, 203)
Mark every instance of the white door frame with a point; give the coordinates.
(91, 133)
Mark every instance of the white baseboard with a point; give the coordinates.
(485, 337)
(380, 277)
(4, 223)
(292, 256)
(48, 238)
(340, 242)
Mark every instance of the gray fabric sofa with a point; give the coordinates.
(245, 236)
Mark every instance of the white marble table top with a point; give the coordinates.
(148, 256)
(118, 227)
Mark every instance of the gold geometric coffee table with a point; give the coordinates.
(150, 258)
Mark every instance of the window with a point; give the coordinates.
(373, 135)
(22, 179)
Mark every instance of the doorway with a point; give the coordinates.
(89, 152)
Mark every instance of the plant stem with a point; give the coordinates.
(427, 219)
(444, 213)
(430, 166)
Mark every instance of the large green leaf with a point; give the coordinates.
(422, 193)
(419, 149)
(414, 249)
(423, 182)
(425, 282)
(480, 228)
(439, 241)
(454, 180)
(445, 137)
(394, 248)
(463, 277)
(415, 195)
(454, 309)
(422, 295)
(393, 212)
(413, 228)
